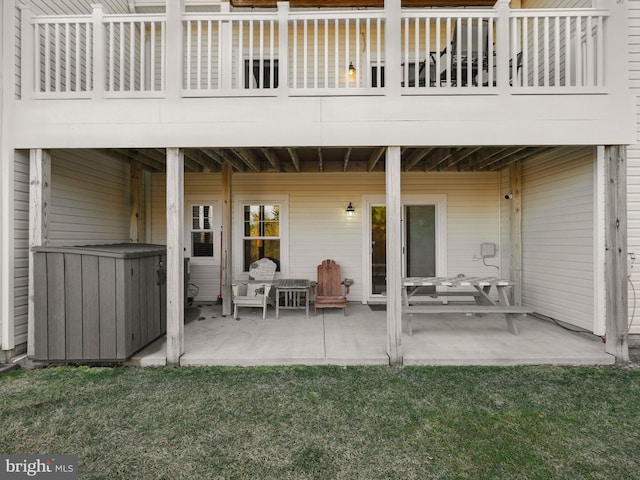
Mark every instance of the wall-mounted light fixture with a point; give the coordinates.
(350, 210)
(352, 70)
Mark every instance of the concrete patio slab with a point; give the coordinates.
(330, 338)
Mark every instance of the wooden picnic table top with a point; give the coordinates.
(456, 281)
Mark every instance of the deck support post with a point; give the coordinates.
(39, 201)
(616, 253)
(225, 263)
(175, 255)
(394, 256)
(515, 182)
(136, 194)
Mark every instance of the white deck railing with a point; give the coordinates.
(63, 56)
(560, 49)
(135, 55)
(327, 53)
(227, 52)
(336, 52)
(456, 50)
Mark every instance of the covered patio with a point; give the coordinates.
(360, 339)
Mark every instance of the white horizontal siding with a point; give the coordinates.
(319, 228)
(557, 236)
(89, 199)
(21, 246)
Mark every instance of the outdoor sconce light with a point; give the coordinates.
(350, 210)
(352, 70)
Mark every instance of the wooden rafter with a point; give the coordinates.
(223, 158)
(160, 155)
(248, 157)
(272, 158)
(128, 155)
(437, 161)
(205, 161)
(458, 157)
(415, 157)
(375, 158)
(486, 163)
(345, 161)
(294, 158)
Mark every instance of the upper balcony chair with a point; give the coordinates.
(466, 55)
(330, 290)
(255, 292)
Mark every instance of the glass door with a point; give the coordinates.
(419, 244)
(378, 250)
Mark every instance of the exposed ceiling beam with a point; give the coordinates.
(375, 158)
(320, 160)
(294, 158)
(154, 165)
(438, 160)
(415, 157)
(204, 160)
(272, 158)
(248, 157)
(487, 162)
(458, 157)
(524, 155)
(345, 162)
(221, 158)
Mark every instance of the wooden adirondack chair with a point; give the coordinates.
(330, 290)
(255, 292)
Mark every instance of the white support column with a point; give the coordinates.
(174, 51)
(175, 255)
(599, 242)
(616, 253)
(392, 47)
(39, 201)
(394, 256)
(225, 261)
(7, 74)
(99, 53)
(283, 49)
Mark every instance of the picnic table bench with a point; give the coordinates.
(483, 303)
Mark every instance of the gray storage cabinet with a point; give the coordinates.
(98, 302)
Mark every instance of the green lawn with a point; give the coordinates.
(329, 422)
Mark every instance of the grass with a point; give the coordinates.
(328, 423)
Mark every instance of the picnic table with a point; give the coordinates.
(477, 287)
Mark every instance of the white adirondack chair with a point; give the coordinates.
(255, 292)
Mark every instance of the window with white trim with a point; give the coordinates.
(202, 234)
(261, 233)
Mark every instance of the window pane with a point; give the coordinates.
(207, 217)
(256, 249)
(195, 217)
(202, 244)
(262, 220)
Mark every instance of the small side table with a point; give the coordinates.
(293, 289)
